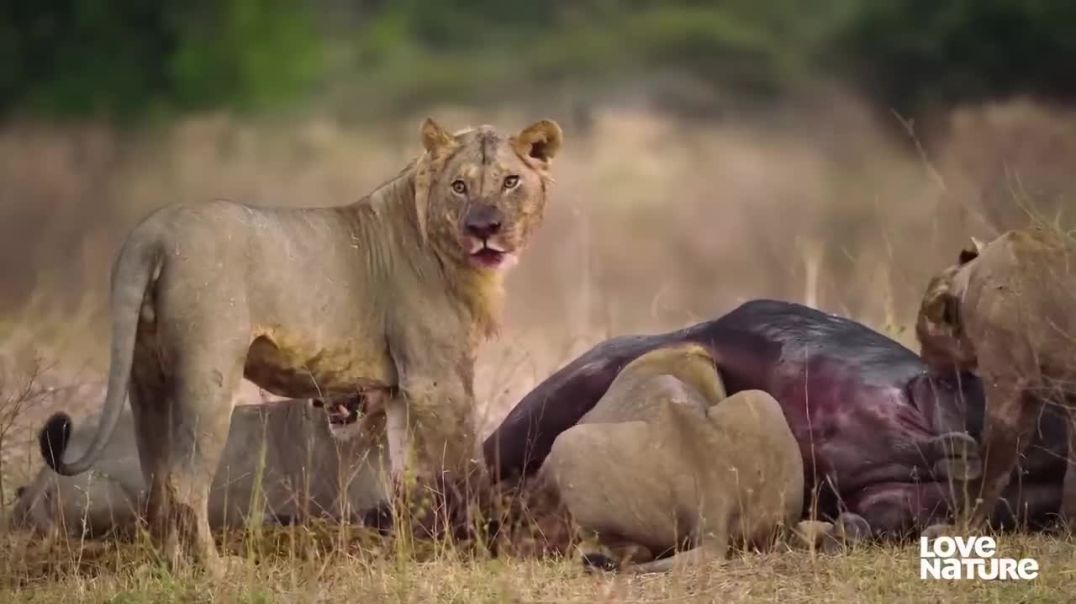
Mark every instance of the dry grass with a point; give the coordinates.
(128, 573)
(656, 222)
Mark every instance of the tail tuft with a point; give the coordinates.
(53, 439)
(597, 561)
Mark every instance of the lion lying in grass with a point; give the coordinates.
(391, 293)
(1008, 311)
(281, 464)
(664, 462)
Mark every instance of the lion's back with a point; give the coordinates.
(1020, 288)
(761, 468)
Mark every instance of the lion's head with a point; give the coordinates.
(938, 326)
(480, 196)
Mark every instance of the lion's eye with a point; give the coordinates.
(511, 181)
(459, 186)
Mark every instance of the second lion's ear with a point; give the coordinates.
(942, 312)
(435, 138)
(970, 253)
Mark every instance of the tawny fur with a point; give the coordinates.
(1008, 311)
(681, 466)
(682, 374)
(384, 294)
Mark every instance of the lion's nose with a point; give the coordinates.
(482, 221)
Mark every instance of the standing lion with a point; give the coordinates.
(1008, 310)
(391, 293)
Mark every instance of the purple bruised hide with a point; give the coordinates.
(881, 436)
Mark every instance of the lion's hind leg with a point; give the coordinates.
(194, 416)
(712, 548)
(609, 552)
(150, 402)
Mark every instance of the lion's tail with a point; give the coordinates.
(131, 276)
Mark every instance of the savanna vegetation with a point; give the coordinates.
(124, 58)
(835, 152)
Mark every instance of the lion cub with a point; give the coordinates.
(1008, 310)
(664, 463)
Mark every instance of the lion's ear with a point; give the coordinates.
(969, 254)
(540, 141)
(437, 142)
(942, 311)
(434, 137)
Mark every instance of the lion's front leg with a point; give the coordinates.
(398, 436)
(423, 440)
(1007, 430)
(431, 437)
(441, 418)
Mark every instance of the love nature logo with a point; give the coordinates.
(961, 558)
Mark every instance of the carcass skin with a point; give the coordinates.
(876, 429)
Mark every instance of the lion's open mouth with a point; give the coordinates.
(490, 253)
(488, 257)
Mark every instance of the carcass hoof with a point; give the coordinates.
(958, 456)
(853, 528)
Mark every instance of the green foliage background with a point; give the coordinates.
(127, 59)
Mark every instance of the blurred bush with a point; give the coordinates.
(451, 55)
(129, 57)
(914, 54)
(121, 58)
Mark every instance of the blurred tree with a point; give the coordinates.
(416, 52)
(914, 54)
(120, 57)
(242, 53)
(81, 56)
